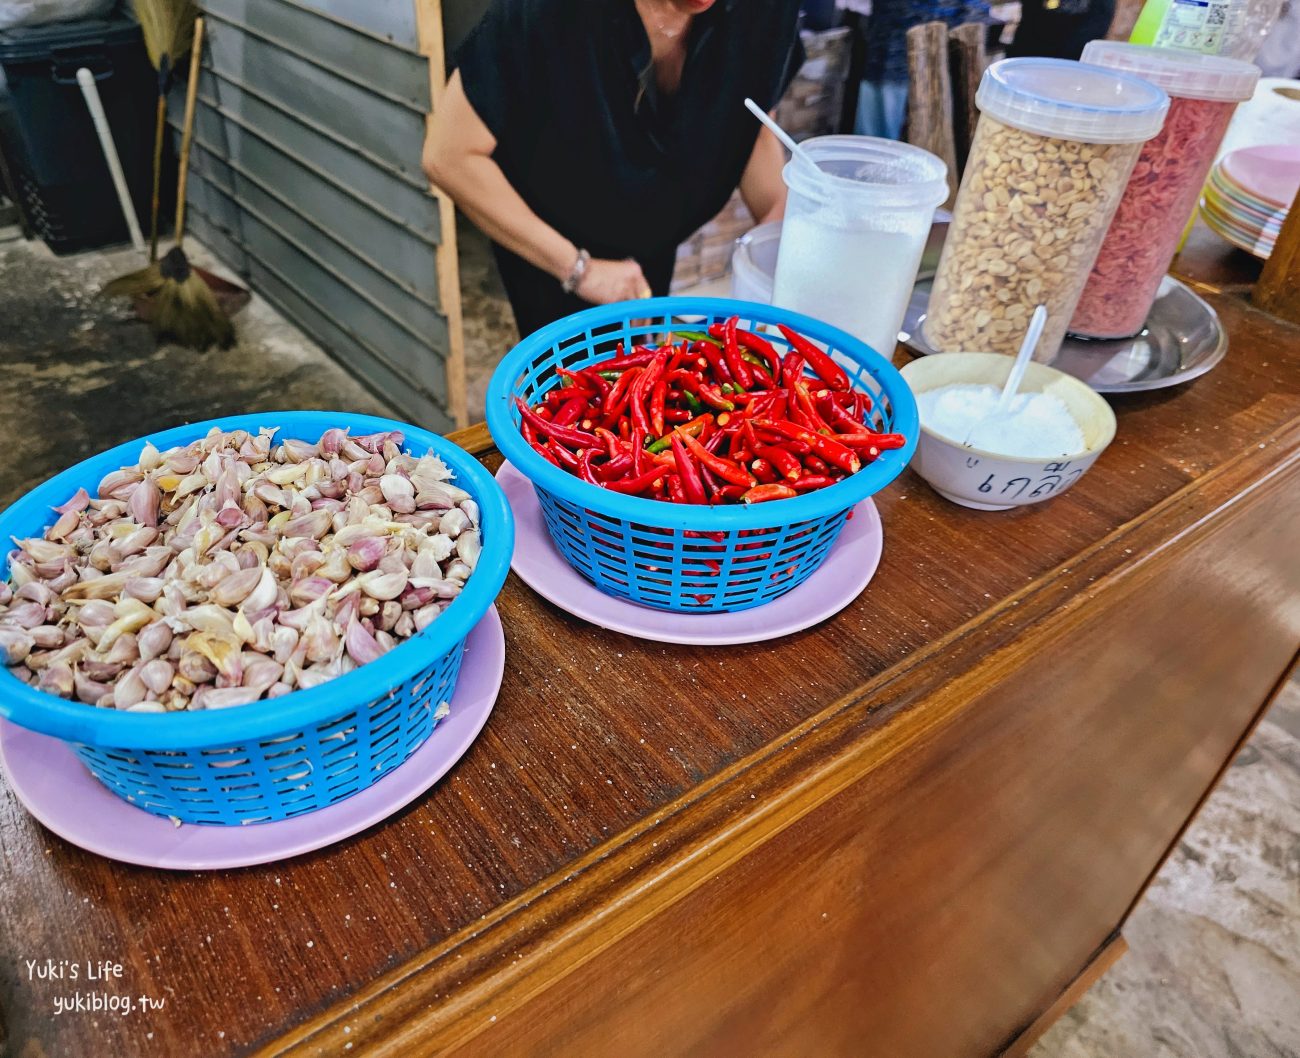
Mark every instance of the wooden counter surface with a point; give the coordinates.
(915, 829)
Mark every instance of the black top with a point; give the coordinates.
(568, 90)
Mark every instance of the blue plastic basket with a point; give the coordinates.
(649, 551)
(278, 758)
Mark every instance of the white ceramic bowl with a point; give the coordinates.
(988, 481)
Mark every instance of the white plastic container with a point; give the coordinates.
(753, 263)
(1052, 154)
(851, 240)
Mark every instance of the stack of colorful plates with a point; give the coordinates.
(1248, 195)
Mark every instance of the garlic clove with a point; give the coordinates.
(57, 679)
(469, 547)
(66, 524)
(361, 646)
(157, 675)
(47, 637)
(153, 640)
(383, 586)
(453, 523)
(143, 504)
(264, 595)
(15, 645)
(79, 502)
(234, 588)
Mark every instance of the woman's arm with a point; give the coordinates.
(458, 158)
(761, 185)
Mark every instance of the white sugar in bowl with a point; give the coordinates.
(990, 481)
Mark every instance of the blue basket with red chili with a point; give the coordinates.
(764, 426)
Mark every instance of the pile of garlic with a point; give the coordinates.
(236, 568)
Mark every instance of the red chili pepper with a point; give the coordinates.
(725, 469)
(763, 493)
(692, 485)
(763, 470)
(762, 379)
(621, 363)
(836, 416)
(865, 440)
(585, 470)
(566, 458)
(694, 427)
(812, 482)
(727, 493)
(616, 402)
(677, 415)
(593, 379)
(755, 344)
(675, 492)
(711, 397)
(619, 467)
(784, 461)
(542, 451)
(830, 450)
(823, 366)
(564, 434)
(815, 464)
(634, 485)
(805, 402)
(577, 383)
(571, 411)
(792, 368)
(721, 372)
(658, 395)
(740, 371)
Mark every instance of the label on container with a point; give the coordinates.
(1194, 25)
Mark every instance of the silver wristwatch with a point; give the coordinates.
(576, 273)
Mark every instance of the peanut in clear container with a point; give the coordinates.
(1052, 154)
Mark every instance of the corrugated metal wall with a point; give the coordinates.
(305, 178)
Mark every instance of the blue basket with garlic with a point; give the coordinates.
(251, 618)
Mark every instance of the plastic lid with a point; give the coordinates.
(892, 175)
(1070, 101)
(1180, 73)
(40, 43)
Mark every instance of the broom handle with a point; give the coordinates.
(91, 92)
(187, 129)
(160, 129)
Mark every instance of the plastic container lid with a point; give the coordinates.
(871, 172)
(1070, 101)
(1180, 73)
(23, 44)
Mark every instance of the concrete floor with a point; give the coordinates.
(79, 374)
(1213, 969)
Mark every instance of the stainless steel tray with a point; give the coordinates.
(1183, 339)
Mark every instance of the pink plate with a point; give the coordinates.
(60, 793)
(840, 579)
(1270, 173)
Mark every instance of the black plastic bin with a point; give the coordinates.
(62, 179)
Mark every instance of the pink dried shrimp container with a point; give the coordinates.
(1162, 192)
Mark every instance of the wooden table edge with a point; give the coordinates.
(566, 920)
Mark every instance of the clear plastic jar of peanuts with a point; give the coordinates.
(1053, 151)
(1166, 182)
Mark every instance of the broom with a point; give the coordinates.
(168, 28)
(184, 308)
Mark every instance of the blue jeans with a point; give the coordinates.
(882, 106)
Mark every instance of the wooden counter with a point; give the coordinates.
(915, 830)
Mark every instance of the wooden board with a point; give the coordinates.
(970, 773)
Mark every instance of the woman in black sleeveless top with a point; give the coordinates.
(588, 138)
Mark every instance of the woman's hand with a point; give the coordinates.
(606, 281)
